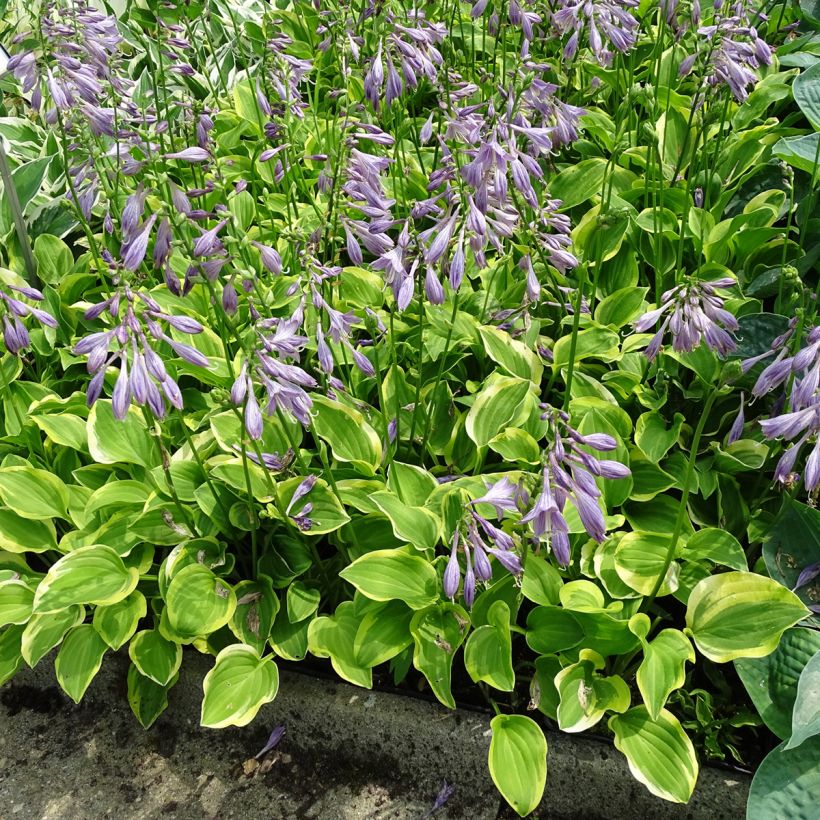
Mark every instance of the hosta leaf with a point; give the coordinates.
(197, 602)
(10, 654)
(806, 715)
(541, 583)
(787, 784)
(44, 632)
(334, 637)
(662, 669)
(16, 601)
(237, 686)
(389, 575)
(18, 534)
(383, 633)
(438, 632)
(89, 575)
(518, 761)
(116, 623)
(301, 601)
(79, 660)
(147, 699)
(488, 651)
(659, 752)
(495, 408)
(154, 656)
(350, 437)
(717, 546)
(111, 441)
(740, 615)
(256, 608)
(416, 525)
(771, 681)
(33, 493)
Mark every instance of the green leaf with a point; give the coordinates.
(639, 560)
(662, 669)
(147, 699)
(416, 525)
(652, 436)
(89, 575)
(383, 633)
(518, 761)
(27, 179)
(237, 687)
(33, 493)
(255, 613)
(389, 575)
(496, 406)
(488, 651)
(513, 356)
(717, 546)
(594, 342)
(10, 654)
(302, 601)
(334, 637)
(116, 623)
(621, 307)
(514, 444)
(64, 429)
(54, 258)
(18, 534)
(350, 437)
(579, 182)
(541, 583)
(128, 441)
(787, 784)
(659, 752)
(585, 696)
(289, 640)
(44, 632)
(79, 660)
(771, 681)
(154, 656)
(411, 484)
(16, 599)
(740, 615)
(198, 603)
(806, 91)
(792, 543)
(438, 632)
(806, 715)
(799, 152)
(552, 629)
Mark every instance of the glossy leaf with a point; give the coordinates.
(740, 615)
(390, 575)
(659, 753)
(237, 686)
(197, 602)
(79, 660)
(116, 623)
(518, 761)
(154, 656)
(488, 651)
(44, 632)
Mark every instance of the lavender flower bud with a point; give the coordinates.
(121, 397)
(191, 154)
(452, 573)
(253, 417)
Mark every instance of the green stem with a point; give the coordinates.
(687, 483)
(19, 220)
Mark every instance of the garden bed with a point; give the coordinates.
(347, 753)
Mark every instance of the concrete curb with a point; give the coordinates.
(349, 754)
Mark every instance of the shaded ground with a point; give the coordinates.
(348, 754)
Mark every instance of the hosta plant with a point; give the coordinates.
(475, 344)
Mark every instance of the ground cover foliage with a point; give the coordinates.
(466, 343)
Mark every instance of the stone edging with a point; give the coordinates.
(349, 754)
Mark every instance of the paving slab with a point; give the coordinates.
(348, 754)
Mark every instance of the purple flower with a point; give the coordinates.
(452, 573)
(697, 315)
(191, 154)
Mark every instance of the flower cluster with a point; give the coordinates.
(143, 377)
(801, 419)
(694, 313)
(606, 23)
(14, 309)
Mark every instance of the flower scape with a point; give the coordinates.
(467, 345)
